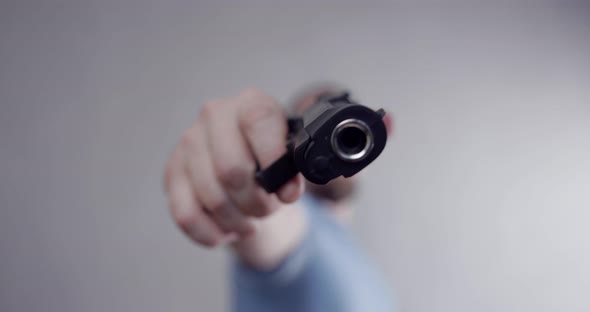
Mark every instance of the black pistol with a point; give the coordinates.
(334, 137)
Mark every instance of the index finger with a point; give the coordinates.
(263, 123)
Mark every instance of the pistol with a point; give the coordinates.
(334, 137)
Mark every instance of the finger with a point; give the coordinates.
(233, 163)
(188, 214)
(207, 188)
(173, 167)
(388, 121)
(263, 123)
(291, 191)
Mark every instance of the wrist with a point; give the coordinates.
(275, 237)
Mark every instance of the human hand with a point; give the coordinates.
(209, 178)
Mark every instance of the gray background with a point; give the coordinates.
(480, 203)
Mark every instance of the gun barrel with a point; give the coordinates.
(352, 140)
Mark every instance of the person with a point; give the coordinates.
(291, 250)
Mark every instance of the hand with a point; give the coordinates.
(209, 177)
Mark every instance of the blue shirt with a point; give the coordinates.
(326, 272)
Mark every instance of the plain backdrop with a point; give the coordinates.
(481, 202)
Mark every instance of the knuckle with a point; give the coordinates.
(171, 168)
(209, 108)
(233, 176)
(217, 205)
(265, 209)
(193, 140)
(259, 212)
(189, 139)
(222, 215)
(262, 207)
(185, 220)
(257, 99)
(259, 112)
(253, 92)
(208, 241)
(166, 178)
